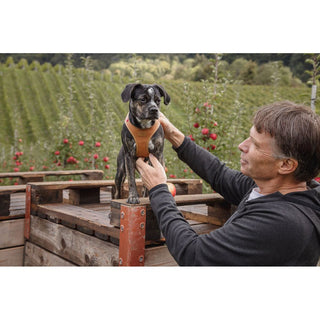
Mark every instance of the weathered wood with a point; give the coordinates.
(4, 205)
(80, 196)
(93, 220)
(6, 199)
(187, 199)
(152, 231)
(11, 233)
(72, 245)
(12, 257)
(36, 256)
(62, 185)
(159, 256)
(199, 213)
(12, 189)
(183, 186)
(30, 176)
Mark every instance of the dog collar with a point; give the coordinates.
(142, 136)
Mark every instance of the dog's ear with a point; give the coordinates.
(163, 93)
(126, 93)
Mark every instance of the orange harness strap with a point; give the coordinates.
(142, 137)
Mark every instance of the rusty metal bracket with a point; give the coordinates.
(132, 235)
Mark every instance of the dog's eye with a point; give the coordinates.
(143, 99)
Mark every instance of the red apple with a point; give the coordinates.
(98, 144)
(65, 141)
(81, 143)
(205, 131)
(213, 136)
(172, 188)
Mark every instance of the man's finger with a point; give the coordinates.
(140, 163)
(155, 162)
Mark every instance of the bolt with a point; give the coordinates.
(142, 225)
(141, 259)
(121, 227)
(142, 212)
(120, 261)
(122, 215)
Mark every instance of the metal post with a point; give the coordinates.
(132, 235)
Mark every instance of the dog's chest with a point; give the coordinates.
(145, 140)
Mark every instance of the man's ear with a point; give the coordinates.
(288, 165)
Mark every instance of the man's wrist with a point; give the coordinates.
(175, 137)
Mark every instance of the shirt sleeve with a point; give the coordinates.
(231, 184)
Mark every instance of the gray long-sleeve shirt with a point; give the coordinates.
(272, 230)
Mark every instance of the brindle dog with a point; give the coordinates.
(144, 105)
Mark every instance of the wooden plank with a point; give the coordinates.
(37, 174)
(187, 199)
(73, 245)
(4, 205)
(12, 189)
(94, 220)
(198, 213)
(61, 185)
(158, 256)
(36, 256)
(12, 257)
(11, 233)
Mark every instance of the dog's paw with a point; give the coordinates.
(133, 200)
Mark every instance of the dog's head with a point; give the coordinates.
(144, 100)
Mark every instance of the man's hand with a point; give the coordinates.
(151, 176)
(171, 133)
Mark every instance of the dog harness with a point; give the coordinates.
(142, 137)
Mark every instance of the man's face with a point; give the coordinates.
(258, 156)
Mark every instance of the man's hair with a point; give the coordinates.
(296, 130)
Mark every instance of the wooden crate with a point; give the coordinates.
(12, 211)
(77, 230)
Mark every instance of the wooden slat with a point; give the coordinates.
(61, 185)
(11, 233)
(94, 220)
(158, 256)
(12, 189)
(11, 257)
(72, 245)
(200, 213)
(187, 199)
(31, 174)
(36, 256)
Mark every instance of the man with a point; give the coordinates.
(277, 221)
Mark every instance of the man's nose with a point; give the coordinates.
(244, 145)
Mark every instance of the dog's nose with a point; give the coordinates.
(153, 109)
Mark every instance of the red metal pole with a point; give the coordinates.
(132, 235)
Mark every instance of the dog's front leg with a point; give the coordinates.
(133, 192)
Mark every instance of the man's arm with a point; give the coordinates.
(231, 184)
